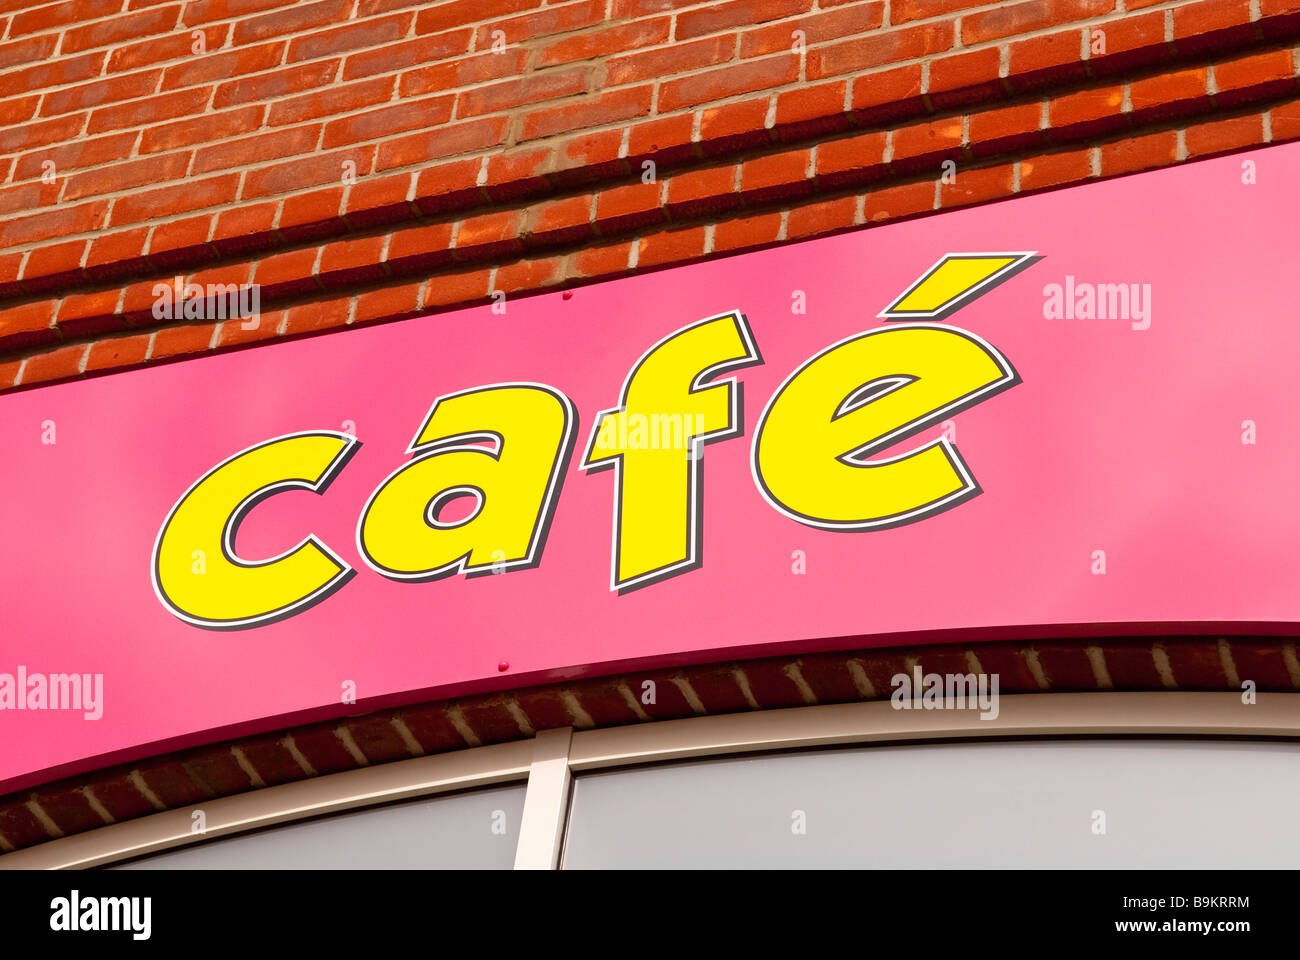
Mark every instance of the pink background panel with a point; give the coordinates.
(1118, 440)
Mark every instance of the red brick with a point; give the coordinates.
(27, 325)
(588, 46)
(924, 145)
(666, 139)
(1008, 662)
(1139, 154)
(560, 221)
(1223, 135)
(427, 246)
(887, 95)
(388, 302)
(771, 685)
(1284, 121)
(677, 58)
(322, 748)
(166, 201)
(1043, 61)
(377, 738)
(337, 98)
(320, 315)
(553, 19)
(281, 83)
(87, 95)
(82, 218)
(179, 103)
(976, 186)
(1170, 94)
(524, 276)
(587, 157)
(54, 258)
(1015, 18)
(605, 703)
(1006, 130)
(1055, 169)
(161, 49)
(736, 13)
(965, 78)
(182, 341)
(490, 234)
(851, 160)
(456, 13)
(818, 28)
(1087, 112)
(349, 262)
(126, 176)
(1257, 77)
(299, 16)
(722, 82)
(439, 77)
(490, 719)
(1204, 26)
(217, 769)
(1195, 663)
(223, 66)
(395, 56)
(366, 33)
(448, 289)
(812, 110)
(599, 261)
(60, 364)
(1131, 42)
(609, 107)
(19, 825)
(59, 72)
(385, 121)
(317, 170)
(507, 94)
(890, 203)
(732, 126)
(130, 26)
(815, 219)
(701, 192)
(878, 49)
(117, 254)
(118, 352)
(902, 11)
(669, 701)
(445, 142)
(184, 133)
(670, 246)
(271, 759)
(432, 728)
(777, 175)
(628, 207)
(451, 186)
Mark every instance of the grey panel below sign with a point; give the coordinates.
(1165, 803)
(473, 830)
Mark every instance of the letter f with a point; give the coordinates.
(658, 504)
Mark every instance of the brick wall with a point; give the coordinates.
(367, 160)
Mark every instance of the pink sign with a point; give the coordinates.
(1094, 433)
